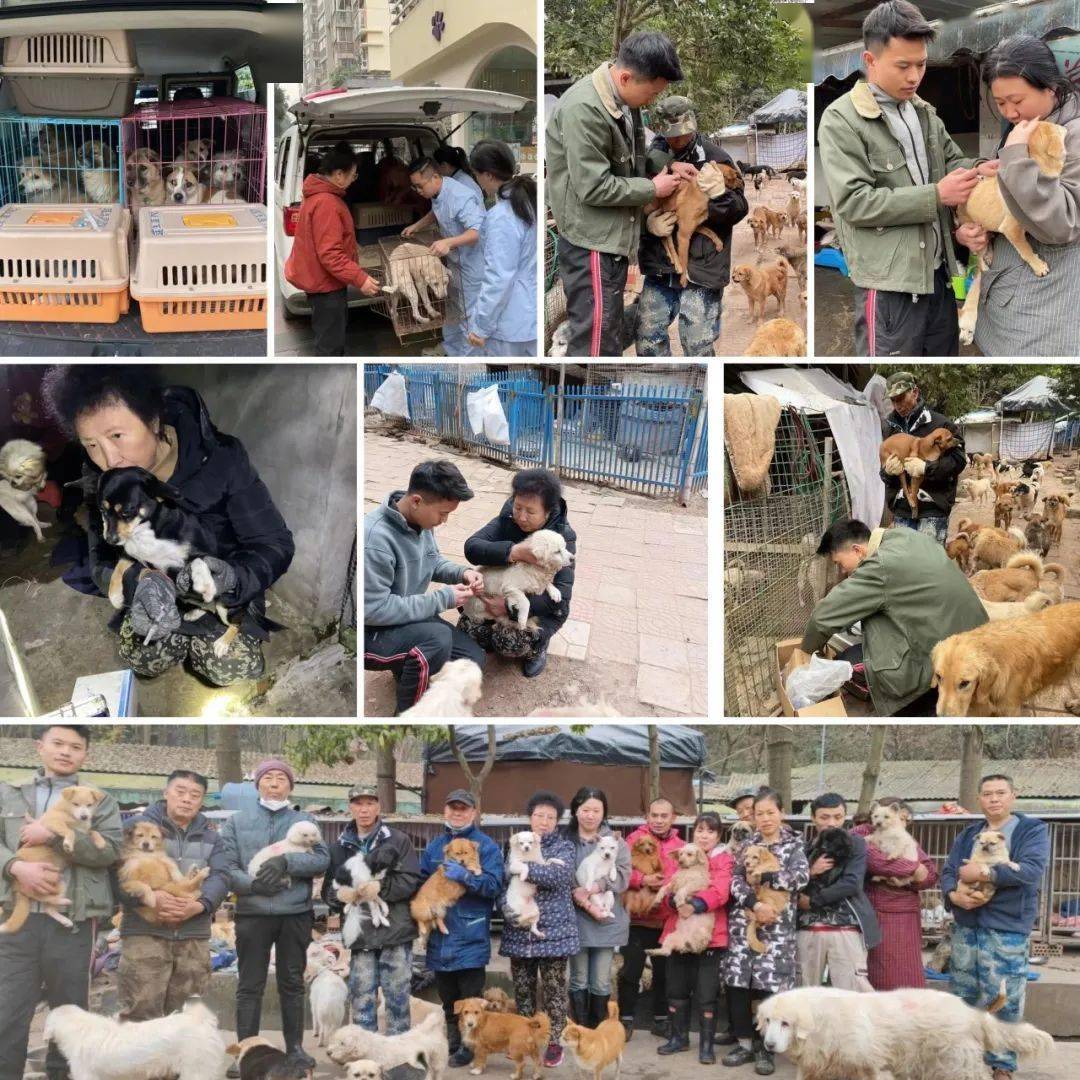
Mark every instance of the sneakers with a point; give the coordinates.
(553, 1056)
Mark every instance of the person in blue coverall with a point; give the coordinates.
(460, 957)
(452, 161)
(459, 212)
(990, 938)
(504, 320)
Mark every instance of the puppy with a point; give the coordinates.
(328, 995)
(994, 547)
(146, 869)
(486, 1033)
(599, 1048)
(363, 1070)
(741, 831)
(498, 1000)
(1033, 602)
(794, 208)
(515, 583)
(423, 1047)
(835, 844)
(690, 204)
(183, 186)
(228, 178)
(760, 228)
(302, 838)
(778, 337)
(927, 448)
(350, 879)
(775, 220)
(70, 816)
(800, 224)
(891, 838)
(142, 173)
(760, 284)
(692, 933)
(259, 1059)
(97, 167)
(1004, 506)
(521, 906)
(1036, 536)
(1026, 493)
(958, 548)
(439, 894)
(978, 489)
(454, 690)
(759, 860)
(598, 868)
(989, 849)
(645, 858)
(1020, 576)
(40, 184)
(22, 473)
(1055, 508)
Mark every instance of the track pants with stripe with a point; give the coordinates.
(594, 282)
(903, 324)
(416, 651)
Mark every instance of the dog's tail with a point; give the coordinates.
(1036, 601)
(752, 938)
(540, 1023)
(195, 1008)
(19, 914)
(1020, 1038)
(613, 1010)
(1057, 570)
(1017, 534)
(1028, 559)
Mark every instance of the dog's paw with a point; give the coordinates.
(221, 647)
(202, 581)
(555, 594)
(69, 844)
(967, 335)
(1039, 267)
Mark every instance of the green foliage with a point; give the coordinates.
(333, 743)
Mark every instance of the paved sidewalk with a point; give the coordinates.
(636, 636)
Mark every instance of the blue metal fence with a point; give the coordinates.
(649, 439)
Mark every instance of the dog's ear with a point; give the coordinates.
(98, 796)
(458, 1004)
(993, 680)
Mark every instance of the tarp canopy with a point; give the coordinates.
(1036, 395)
(788, 107)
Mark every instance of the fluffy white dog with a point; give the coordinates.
(598, 868)
(454, 690)
(896, 1035)
(186, 1045)
(521, 905)
(363, 1070)
(22, 472)
(424, 1047)
(303, 836)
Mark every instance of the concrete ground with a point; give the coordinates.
(636, 636)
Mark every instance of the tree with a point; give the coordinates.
(781, 739)
(873, 767)
(654, 762)
(476, 779)
(971, 761)
(230, 769)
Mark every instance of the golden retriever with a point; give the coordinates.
(439, 894)
(692, 933)
(778, 337)
(453, 691)
(760, 284)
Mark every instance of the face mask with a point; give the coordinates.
(454, 831)
(274, 804)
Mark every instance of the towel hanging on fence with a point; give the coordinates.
(486, 415)
(392, 397)
(750, 437)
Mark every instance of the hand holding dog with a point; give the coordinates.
(822, 864)
(462, 595)
(33, 832)
(961, 898)
(661, 222)
(441, 248)
(523, 553)
(921, 874)
(1021, 134)
(666, 184)
(41, 881)
(223, 574)
(653, 881)
(368, 891)
(456, 872)
(893, 465)
(988, 168)
(765, 914)
(684, 169)
(971, 872)
(371, 287)
(475, 580)
(973, 237)
(516, 868)
(914, 466)
(153, 607)
(955, 188)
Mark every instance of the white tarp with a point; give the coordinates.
(1021, 442)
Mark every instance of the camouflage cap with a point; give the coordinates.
(899, 382)
(363, 791)
(674, 116)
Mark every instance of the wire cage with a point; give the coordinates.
(45, 159)
(178, 153)
(422, 292)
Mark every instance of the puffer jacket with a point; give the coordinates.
(670, 843)
(713, 899)
(554, 884)
(244, 835)
(468, 945)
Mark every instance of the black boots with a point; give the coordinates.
(579, 1007)
(679, 1019)
(598, 1009)
(460, 1054)
(706, 1037)
(532, 667)
(763, 1060)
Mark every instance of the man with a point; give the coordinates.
(273, 908)
(912, 416)
(894, 174)
(743, 804)
(839, 927)
(402, 628)
(459, 958)
(382, 955)
(45, 959)
(597, 184)
(663, 298)
(908, 595)
(645, 929)
(164, 963)
(990, 938)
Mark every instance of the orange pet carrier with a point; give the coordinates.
(63, 263)
(201, 268)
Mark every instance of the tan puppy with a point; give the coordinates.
(518, 1037)
(146, 869)
(989, 850)
(760, 284)
(958, 548)
(1055, 508)
(498, 1000)
(692, 932)
(142, 172)
(691, 207)
(994, 547)
(775, 219)
(978, 489)
(760, 228)
(645, 858)
(599, 1048)
(98, 169)
(760, 860)
(927, 448)
(778, 337)
(1019, 577)
(439, 894)
(1004, 505)
(891, 838)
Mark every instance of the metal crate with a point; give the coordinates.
(412, 283)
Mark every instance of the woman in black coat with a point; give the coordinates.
(536, 503)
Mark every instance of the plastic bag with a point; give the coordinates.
(816, 681)
(486, 414)
(392, 398)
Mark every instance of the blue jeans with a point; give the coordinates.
(932, 525)
(391, 970)
(590, 970)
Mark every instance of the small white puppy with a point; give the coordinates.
(375, 911)
(422, 1047)
(598, 868)
(521, 905)
(328, 994)
(364, 1069)
(454, 689)
(22, 472)
(302, 837)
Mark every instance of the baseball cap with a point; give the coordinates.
(363, 791)
(674, 116)
(899, 382)
(743, 793)
(460, 795)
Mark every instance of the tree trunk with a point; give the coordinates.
(476, 780)
(780, 739)
(386, 776)
(654, 762)
(971, 763)
(873, 767)
(230, 770)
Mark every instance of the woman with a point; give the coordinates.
(897, 962)
(545, 957)
(754, 976)
(122, 417)
(536, 503)
(1021, 314)
(504, 322)
(697, 975)
(452, 161)
(598, 934)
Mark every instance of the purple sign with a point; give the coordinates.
(438, 25)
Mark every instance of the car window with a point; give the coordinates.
(283, 160)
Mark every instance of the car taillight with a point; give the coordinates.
(292, 216)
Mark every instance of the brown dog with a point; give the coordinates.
(645, 858)
(958, 548)
(774, 219)
(1018, 578)
(146, 869)
(596, 1049)
(778, 337)
(1004, 505)
(760, 284)
(992, 547)
(692, 933)
(928, 448)
(439, 894)
(691, 207)
(1055, 508)
(518, 1037)
(760, 860)
(760, 228)
(498, 1000)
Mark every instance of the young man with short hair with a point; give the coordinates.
(991, 937)
(44, 959)
(894, 175)
(403, 632)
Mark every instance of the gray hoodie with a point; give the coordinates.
(399, 563)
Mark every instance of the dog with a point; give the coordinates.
(645, 858)
(995, 668)
(759, 860)
(958, 548)
(40, 184)
(521, 906)
(1052, 583)
(760, 284)
(755, 170)
(498, 1000)
(1055, 507)
(186, 1045)
(986, 206)
(142, 174)
(56, 149)
(146, 868)
(760, 228)
(800, 224)
(796, 257)
(927, 448)
(515, 583)
(978, 489)
(421, 276)
(328, 995)
(301, 839)
(486, 1033)
(740, 833)
(439, 894)
(690, 205)
(70, 816)
(597, 1048)
(183, 187)
(890, 1035)
(1026, 492)
(1020, 577)
(97, 168)
(348, 881)
(258, 1059)
(778, 337)
(423, 1047)
(363, 1070)
(453, 691)
(983, 463)
(775, 220)
(757, 179)
(794, 208)
(228, 178)
(1004, 506)
(1031, 603)
(891, 838)
(598, 868)
(835, 844)
(23, 472)
(993, 547)
(691, 933)
(989, 849)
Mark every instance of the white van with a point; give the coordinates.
(377, 118)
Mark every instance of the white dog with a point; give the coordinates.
(228, 178)
(363, 1069)
(183, 186)
(185, 1045)
(302, 837)
(22, 472)
(375, 911)
(454, 690)
(423, 1047)
(329, 998)
(521, 579)
(978, 490)
(100, 176)
(598, 868)
(891, 838)
(895, 1035)
(521, 905)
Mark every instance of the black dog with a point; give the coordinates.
(751, 170)
(837, 845)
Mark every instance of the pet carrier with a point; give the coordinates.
(375, 220)
(92, 73)
(201, 268)
(422, 292)
(64, 263)
(59, 160)
(178, 153)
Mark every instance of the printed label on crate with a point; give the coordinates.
(209, 221)
(54, 217)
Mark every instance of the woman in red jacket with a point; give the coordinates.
(324, 257)
(697, 975)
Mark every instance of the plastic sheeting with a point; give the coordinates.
(788, 107)
(1036, 395)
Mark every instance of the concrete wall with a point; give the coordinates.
(298, 424)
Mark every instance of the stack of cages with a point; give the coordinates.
(423, 293)
(60, 152)
(195, 172)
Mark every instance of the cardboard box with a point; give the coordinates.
(117, 687)
(833, 706)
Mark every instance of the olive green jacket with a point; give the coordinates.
(89, 890)
(596, 181)
(909, 596)
(884, 220)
